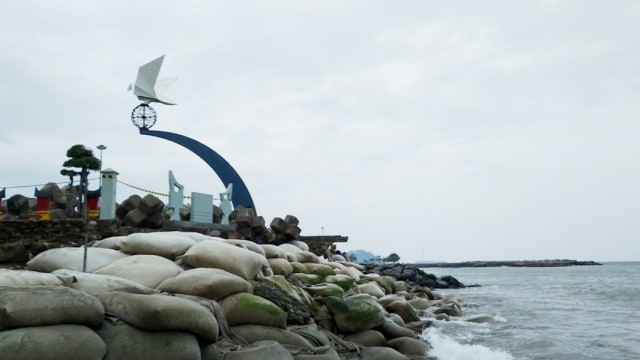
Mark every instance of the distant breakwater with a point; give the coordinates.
(508, 263)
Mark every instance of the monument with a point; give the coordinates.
(147, 88)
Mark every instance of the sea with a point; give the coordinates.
(568, 313)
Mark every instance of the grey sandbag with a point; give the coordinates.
(126, 342)
(47, 305)
(260, 350)
(54, 342)
(162, 312)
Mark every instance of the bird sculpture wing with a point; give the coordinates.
(147, 86)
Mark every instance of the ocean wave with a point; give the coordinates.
(446, 348)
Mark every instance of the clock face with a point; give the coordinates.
(143, 116)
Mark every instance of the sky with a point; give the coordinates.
(441, 131)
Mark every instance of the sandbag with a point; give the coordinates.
(367, 338)
(371, 288)
(319, 269)
(317, 353)
(391, 330)
(54, 342)
(261, 350)
(112, 242)
(162, 312)
(248, 244)
(325, 289)
(168, 245)
(220, 255)
(381, 353)
(409, 346)
(72, 258)
(148, 270)
(127, 342)
(307, 257)
(206, 282)
(245, 308)
(17, 278)
(272, 251)
(280, 266)
(97, 283)
(355, 313)
(255, 333)
(47, 305)
(352, 272)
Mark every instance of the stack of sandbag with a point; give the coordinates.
(50, 322)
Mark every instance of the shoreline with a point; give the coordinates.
(508, 263)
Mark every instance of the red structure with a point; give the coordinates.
(43, 200)
(93, 199)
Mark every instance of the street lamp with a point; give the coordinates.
(101, 147)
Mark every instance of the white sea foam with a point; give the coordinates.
(445, 348)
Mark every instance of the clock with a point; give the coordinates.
(143, 116)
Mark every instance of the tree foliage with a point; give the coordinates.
(393, 257)
(80, 157)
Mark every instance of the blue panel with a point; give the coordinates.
(226, 173)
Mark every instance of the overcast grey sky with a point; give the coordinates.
(457, 130)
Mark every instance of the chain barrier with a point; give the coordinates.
(149, 191)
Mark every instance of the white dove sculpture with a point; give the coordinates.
(147, 86)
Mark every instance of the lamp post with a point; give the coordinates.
(101, 147)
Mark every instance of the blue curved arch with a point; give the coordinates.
(222, 168)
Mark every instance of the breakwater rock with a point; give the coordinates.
(185, 295)
(510, 263)
(414, 276)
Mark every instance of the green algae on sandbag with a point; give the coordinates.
(47, 305)
(53, 342)
(325, 289)
(355, 313)
(301, 279)
(245, 308)
(404, 309)
(127, 342)
(162, 312)
(344, 281)
(209, 283)
(321, 270)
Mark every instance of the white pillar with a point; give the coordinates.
(108, 197)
